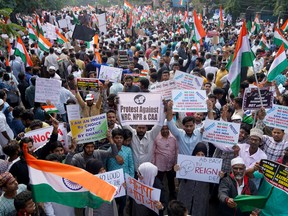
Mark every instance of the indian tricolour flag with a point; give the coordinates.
(60, 38)
(221, 20)
(31, 32)
(279, 38)
(66, 184)
(199, 31)
(127, 6)
(20, 50)
(256, 25)
(186, 22)
(279, 64)
(182, 2)
(263, 43)
(243, 57)
(50, 109)
(284, 27)
(43, 43)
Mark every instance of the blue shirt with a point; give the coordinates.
(186, 144)
(17, 126)
(128, 165)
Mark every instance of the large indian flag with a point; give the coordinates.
(20, 50)
(60, 38)
(43, 43)
(31, 32)
(284, 27)
(279, 38)
(65, 184)
(243, 57)
(264, 43)
(279, 64)
(127, 6)
(199, 31)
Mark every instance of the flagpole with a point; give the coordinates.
(259, 92)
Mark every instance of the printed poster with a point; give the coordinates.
(187, 81)
(89, 129)
(221, 132)
(189, 101)
(277, 117)
(140, 108)
(276, 174)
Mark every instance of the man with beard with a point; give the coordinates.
(250, 151)
(129, 86)
(52, 73)
(89, 108)
(233, 185)
(89, 152)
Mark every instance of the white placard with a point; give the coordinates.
(142, 194)
(221, 132)
(116, 178)
(63, 23)
(165, 88)
(112, 74)
(140, 108)
(102, 23)
(189, 101)
(73, 111)
(203, 169)
(41, 136)
(47, 89)
(187, 81)
(277, 117)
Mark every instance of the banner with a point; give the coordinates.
(199, 168)
(41, 136)
(89, 129)
(189, 101)
(47, 89)
(116, 178)
(251, 99)
(276, 174)
(88, 84)
(110, 73)
(277, 117)
(140, 108)
(73, 111)
(165, 88)
(187, 81)
(142, 194)
(221, 132)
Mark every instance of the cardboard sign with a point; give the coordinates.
(140, 108)
(276, 174)
(63, 23)
(73, 111)
(89, 129)
(88, 84)
(142, 194)
(187, 81)
(110, 73)
(199, 168)
(47, 89)
(189, 101)
(102, 22)
(116, 178)
(251, 99)
(221, 132)
(277, 117)
(41, 136)
(165, 88)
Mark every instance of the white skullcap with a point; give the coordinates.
(237, 160)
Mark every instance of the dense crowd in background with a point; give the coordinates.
(155, 47)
